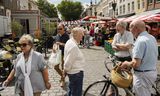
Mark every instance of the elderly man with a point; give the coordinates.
(122, 42)
(145, 53)
(74, 62)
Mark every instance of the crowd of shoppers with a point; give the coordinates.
(31, 72)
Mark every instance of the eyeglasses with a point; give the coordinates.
(60, 28)
(23, 45)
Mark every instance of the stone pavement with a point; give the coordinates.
(94, 70)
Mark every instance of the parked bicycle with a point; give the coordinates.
(107, 88)
(111, 61)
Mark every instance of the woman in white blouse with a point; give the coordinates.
(74, 62)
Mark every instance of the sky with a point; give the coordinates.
(84, 2)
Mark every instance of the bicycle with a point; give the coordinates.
(104, 88)
(112, 62)
(110, 89)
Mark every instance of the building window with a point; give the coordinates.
(120, 9)
(150, 1)
(123, 9)
(123, 0)
(143, 4)
(128, 7)
(120, 1)
(138, 2)
(116, 12)
(133, 6)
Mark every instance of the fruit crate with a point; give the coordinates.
(108, 47)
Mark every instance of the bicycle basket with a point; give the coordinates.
(122, 79)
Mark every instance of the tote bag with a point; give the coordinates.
(55, 57)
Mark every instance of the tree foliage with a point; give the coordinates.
(70, 10)
(50, 28)
(47, 8)
(16, 28)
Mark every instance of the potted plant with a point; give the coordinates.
(16, 29)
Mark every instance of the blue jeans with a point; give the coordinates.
(75, 84)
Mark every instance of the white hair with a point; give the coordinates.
(76, 31)
(26, 37)
(122, 24)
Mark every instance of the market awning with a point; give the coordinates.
(89, 17)
(142, 15)
(152, 18)
(104, 18)
(99, 22)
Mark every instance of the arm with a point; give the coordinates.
(46, 79)
(70, 59)
(134, 63)
(60, 43)
(123, 47)
(9, 78)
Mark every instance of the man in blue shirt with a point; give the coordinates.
(145, 54)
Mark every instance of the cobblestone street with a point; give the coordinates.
(93, 71)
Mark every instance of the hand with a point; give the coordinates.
(48, 85)
(124, 65)
(6, 82)
(59, 43)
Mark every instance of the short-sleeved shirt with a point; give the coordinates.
(63, 39)
(127, 37)
(146, 49)
(38, 64)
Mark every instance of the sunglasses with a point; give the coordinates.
(59, 28)
(23, 45)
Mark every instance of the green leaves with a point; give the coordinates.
(70, 10)
(47, 8)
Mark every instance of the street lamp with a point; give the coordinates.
(95, 11)
(91, 7)
(114, 4)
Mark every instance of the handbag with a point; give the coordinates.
(56, 55)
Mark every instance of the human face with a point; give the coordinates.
(60, 29)
(25, 46)
(133, 29)
(120, 29)
(79, 37)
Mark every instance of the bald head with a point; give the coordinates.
(137, 26)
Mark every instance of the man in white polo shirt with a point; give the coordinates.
(122, 42)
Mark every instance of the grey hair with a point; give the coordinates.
(76, 31)
(122, 24)
(27, 37)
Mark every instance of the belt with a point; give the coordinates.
(143, 70)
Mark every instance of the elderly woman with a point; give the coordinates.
(74, 62)
(30, 70)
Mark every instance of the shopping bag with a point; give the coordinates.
(55, 57)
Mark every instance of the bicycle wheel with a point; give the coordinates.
(158, 83)
(101, 88)
(109, 65)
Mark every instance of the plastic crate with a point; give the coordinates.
(108, 47)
